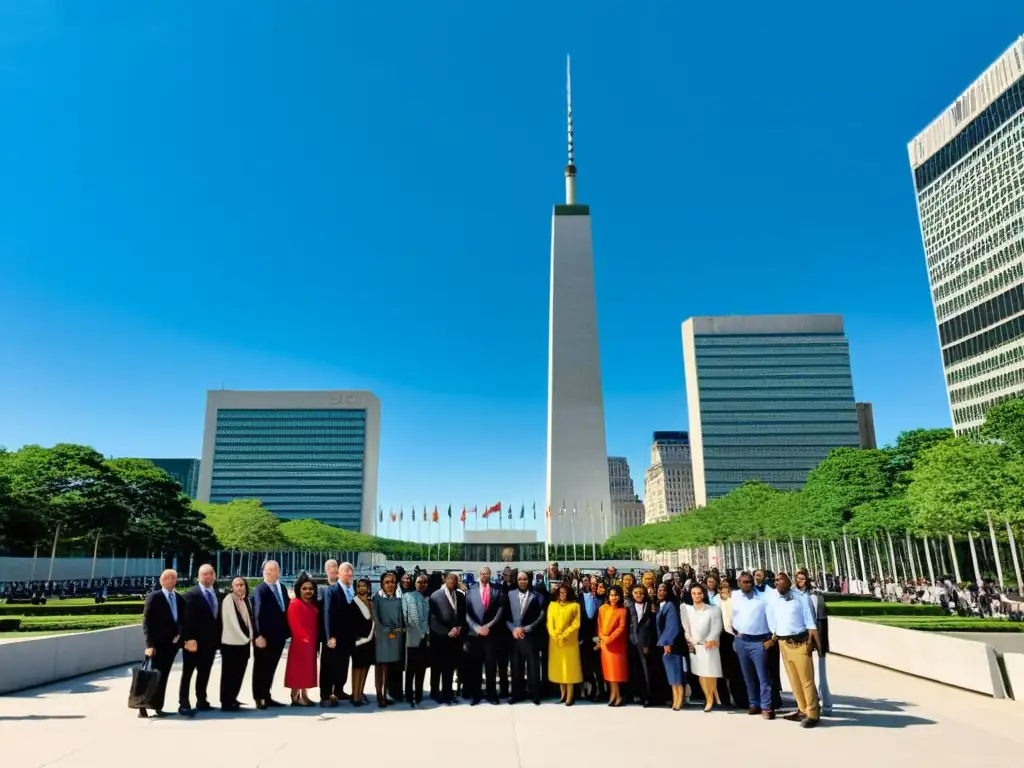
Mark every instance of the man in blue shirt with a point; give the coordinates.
(795, 627)
(753, 638)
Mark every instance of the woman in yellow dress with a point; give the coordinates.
(564, 665)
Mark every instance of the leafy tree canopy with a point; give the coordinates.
(1005, 421)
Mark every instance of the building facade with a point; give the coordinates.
(768, 397)
(668, 482)
(184, 471)
(577, 458)
(627, 509)
(303, 454)
(968, 171)
(866, 425)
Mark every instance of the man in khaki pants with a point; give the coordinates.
(792, 622)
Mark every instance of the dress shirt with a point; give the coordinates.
(348, 591)
(172, 602)
(712, 598)
(522, 601)
(748, 614)
(485, 595)
(640, 608)
(276, 589)
(590, 603)
(790, 614)
(211, 599)
(452, 600)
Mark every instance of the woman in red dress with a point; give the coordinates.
(300, 671)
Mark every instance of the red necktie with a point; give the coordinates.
(486, 597)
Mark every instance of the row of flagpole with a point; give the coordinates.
(385, 521)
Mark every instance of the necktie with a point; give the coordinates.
(172, 604)
(211, 602)
(486, 597)
(279, 596)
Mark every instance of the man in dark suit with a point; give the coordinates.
(329, 689)
(161, 627)
(504, 637)
(200, 634)
(524, 620)
(270, 628)
(590, 659)
(484, 611)
(447, 625)
(338, 607)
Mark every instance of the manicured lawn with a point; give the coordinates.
(850, 608)
(944, 623)
(73, 608)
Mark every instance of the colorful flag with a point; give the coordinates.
(492, 510)
(435, 516)
(381, 518)
(424, 513)
(449, 511)
(535, 510)
(522, 511)
(394, 517)
(474, 511)
(463, 518)
(509, 511)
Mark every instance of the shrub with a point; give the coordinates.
(55, 608)
(882, 609)
(74, 623)
(10, 625)
(835, 597)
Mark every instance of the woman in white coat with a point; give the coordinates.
(235, 642)
(702, 626)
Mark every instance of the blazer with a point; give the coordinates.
(476, 617)
(269, 621)
(588, 627)
(199, 622)
(670, 629)
(529, 620)
(233, 629)
(642, 632)
(442, 618)
(338, 619)
(159, 626)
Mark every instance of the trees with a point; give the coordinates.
(909, 445)
(1005, 421)
(244, 525)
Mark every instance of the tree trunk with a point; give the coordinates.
(863, 570)
(835, 558)
(911, 558)
(35, 556)
(928, 559)
(974, 558)
(892, 558)
(995, 550)
(878, 559)
(952, 555)
(95, 551)
(1016, 562)
(53, 552)
(821, 556)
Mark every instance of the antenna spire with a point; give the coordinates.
(570, 169)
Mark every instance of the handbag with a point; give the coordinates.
(145, 681)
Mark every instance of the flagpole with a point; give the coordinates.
(573, 523)
(593, 536)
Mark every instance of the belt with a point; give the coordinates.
(794, 639)
(754, 638)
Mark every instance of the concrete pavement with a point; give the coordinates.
(881, 717)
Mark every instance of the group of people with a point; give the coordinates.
(598, 636)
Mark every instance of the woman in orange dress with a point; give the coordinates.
(300, 669)
(612, 625)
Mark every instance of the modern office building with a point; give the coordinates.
(768, 397)
(577, 459)
(627, 510)
(968, 170)
(668, 482)
(303, 454)
(866, 425)
(184, 471)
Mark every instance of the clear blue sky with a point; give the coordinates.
(343, 195)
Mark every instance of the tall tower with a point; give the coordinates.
(577, 466)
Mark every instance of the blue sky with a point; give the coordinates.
(341, 195)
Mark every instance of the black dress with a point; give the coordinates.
(362, 654)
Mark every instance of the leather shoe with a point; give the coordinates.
(474, 702)
(204, 706)
(186, 712)
(768, 714)
(754, 711)
(143, 715)
(794, 717)
(495, 700)
(809, 723)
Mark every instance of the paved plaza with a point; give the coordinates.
(882, 718)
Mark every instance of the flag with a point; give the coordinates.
(463, 518)
(394, 517)
(522, 511)
(401, 514)
(381, 518)
(474, 509)
(435, 516)
(535, 510)
(547, 513)
(574, 511)
(509, 511)
(424, 513)
(492, 510)
(449, 511)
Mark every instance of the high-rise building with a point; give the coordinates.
(577, 460)
(303, 454)
(866, 425)
(968, 169)
(668, 482)
(627, 509)
(184, 471)
(768, 397)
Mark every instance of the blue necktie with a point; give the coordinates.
(278, 595)
(172, 604)
(211, 602)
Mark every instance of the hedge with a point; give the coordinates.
(80, 609)
(10, 625)
(836, 597)
(74, 623)
(946, 623)
(883, 609)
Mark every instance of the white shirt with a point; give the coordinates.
(640, 608)
(451, 599)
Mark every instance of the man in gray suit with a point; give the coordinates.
(525, 617)
(484, 612)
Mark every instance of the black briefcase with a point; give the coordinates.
(145, 681)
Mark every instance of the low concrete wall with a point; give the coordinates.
(23, 569)
(43, 660)
(930, 655)
(1014, 665)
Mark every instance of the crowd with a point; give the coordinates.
(38, 592)
(521, 637)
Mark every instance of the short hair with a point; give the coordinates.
(570, 593)
(245, 581)
(366, 581)
(330, 562)
(303, 579)
(346, 566)
(207, 565)
(748, 574)
(524, 573)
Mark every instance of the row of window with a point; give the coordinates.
(819, 410)
(299, 415)
(262, 451)
(973, 134)
(983, 316)
(1003, 333)
(770, 370)
(790, 451)
(270, 441)
(778, 427)
(769, 442)
(976, 411)
(766, 393)
(293, 430)
(1006, 357)
(1012, 274)
(988, 386)
(768, 383)
(766, 346)
(741, 475)
(986, 255)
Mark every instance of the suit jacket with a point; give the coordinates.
(269, 621)
(642, 632)
(199, 622)
(588, 627)
(159, 626)
(442, 618)
(338, 617)
(530, 619)
(322, 592)
(476, 616)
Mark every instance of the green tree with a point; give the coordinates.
(910, 445)
(244, 525)
(847, 477)
(879, 517)
(956, 483)
(1005, 421)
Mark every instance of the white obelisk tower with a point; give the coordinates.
(577, 455)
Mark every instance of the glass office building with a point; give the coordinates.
(768, 397)
(184, 471)
(968, 170)
(303, 454)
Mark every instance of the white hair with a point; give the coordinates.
(346, 566)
